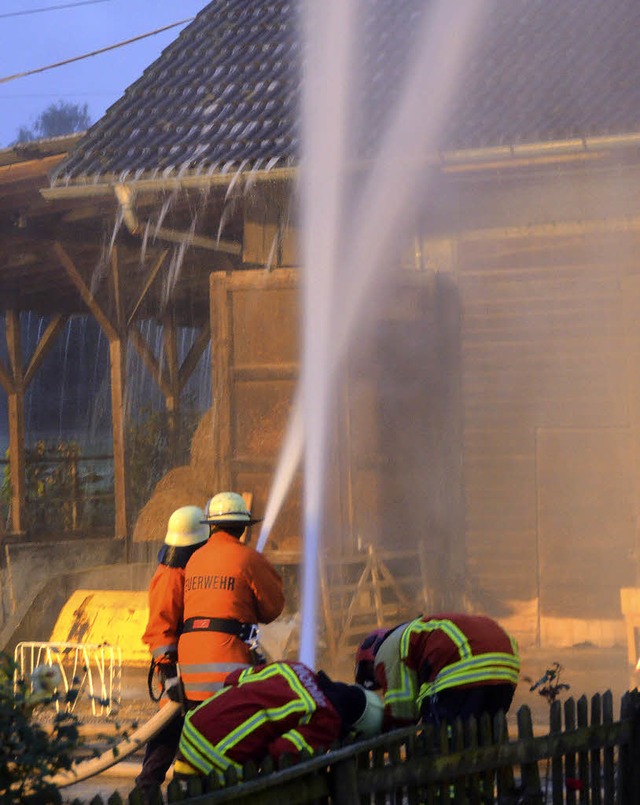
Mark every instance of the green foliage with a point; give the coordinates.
(57, 119)
(54, 486)
(152, 451)
(28, 752)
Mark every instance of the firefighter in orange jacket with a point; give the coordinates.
(440, 667)
(185, 534)
(228, 589)
(270, 710)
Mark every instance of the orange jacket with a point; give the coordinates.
(224, 579)
(166, 595)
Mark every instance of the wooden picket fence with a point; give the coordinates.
(586, 757)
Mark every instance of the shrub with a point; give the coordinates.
(29, 753)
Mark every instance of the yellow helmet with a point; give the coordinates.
(228, 508)
(185, 527)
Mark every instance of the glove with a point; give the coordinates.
(170, 681)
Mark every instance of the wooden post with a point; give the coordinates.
(343, 782)
(530, 774)
(220, 323)
(557, 775)
(15, 383)
(117, 354)
(608, 759)
(629, 768)
(583, 755)
(172, 399)
(570, 757)
(17, 466)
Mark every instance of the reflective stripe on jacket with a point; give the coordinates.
(433, 654)
(270, 709)
(224, 579)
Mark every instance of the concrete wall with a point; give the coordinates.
(36, 580)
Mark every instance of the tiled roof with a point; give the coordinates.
(225, 93)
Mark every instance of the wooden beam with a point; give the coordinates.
(43, 346)
(14, 347)
(34, 168)
(172, 400)
(117, 353)
(198, 241)
(149, 282)
(17, 463)
(87, 297)
(115, 277)
(259, 278)
(6, 380)
(148, 358)
(193, 356)
(220, 324)
(170, 348)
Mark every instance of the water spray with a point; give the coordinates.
(341, 264)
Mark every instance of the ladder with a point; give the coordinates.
(360, 593)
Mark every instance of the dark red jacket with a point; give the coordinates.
(269, 709)
(439, 652)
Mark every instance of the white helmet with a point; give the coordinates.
(185, 527)
(370, 722)
(45, 679)
(228, 508)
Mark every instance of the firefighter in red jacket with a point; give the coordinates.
(185, 534)
(270, 710)
(228, 589)
(440, 667)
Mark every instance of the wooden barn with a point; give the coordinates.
(506, 475)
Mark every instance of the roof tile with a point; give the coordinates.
(227, 90)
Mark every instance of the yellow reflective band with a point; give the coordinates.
(304, 703)
(250, 675)
(257, 720)
(203, 754)
(194, 758)
(453, 632)
(407, 689)
(294, 737)
(484, 668)
(490, 661)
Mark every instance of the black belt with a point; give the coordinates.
(226, 625)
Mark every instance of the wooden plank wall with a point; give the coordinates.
(549, 382)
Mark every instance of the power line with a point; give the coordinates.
(51, 8)
(105, 94)
(8, 78)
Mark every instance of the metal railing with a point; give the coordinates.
(67, 492)
(90, 673)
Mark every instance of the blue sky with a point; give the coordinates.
(34, 40)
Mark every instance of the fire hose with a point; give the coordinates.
(122, 750)
(110, 757)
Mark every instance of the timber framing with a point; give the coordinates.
(48, 267)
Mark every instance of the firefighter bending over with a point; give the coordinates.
(440, 667)
(271, 710)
